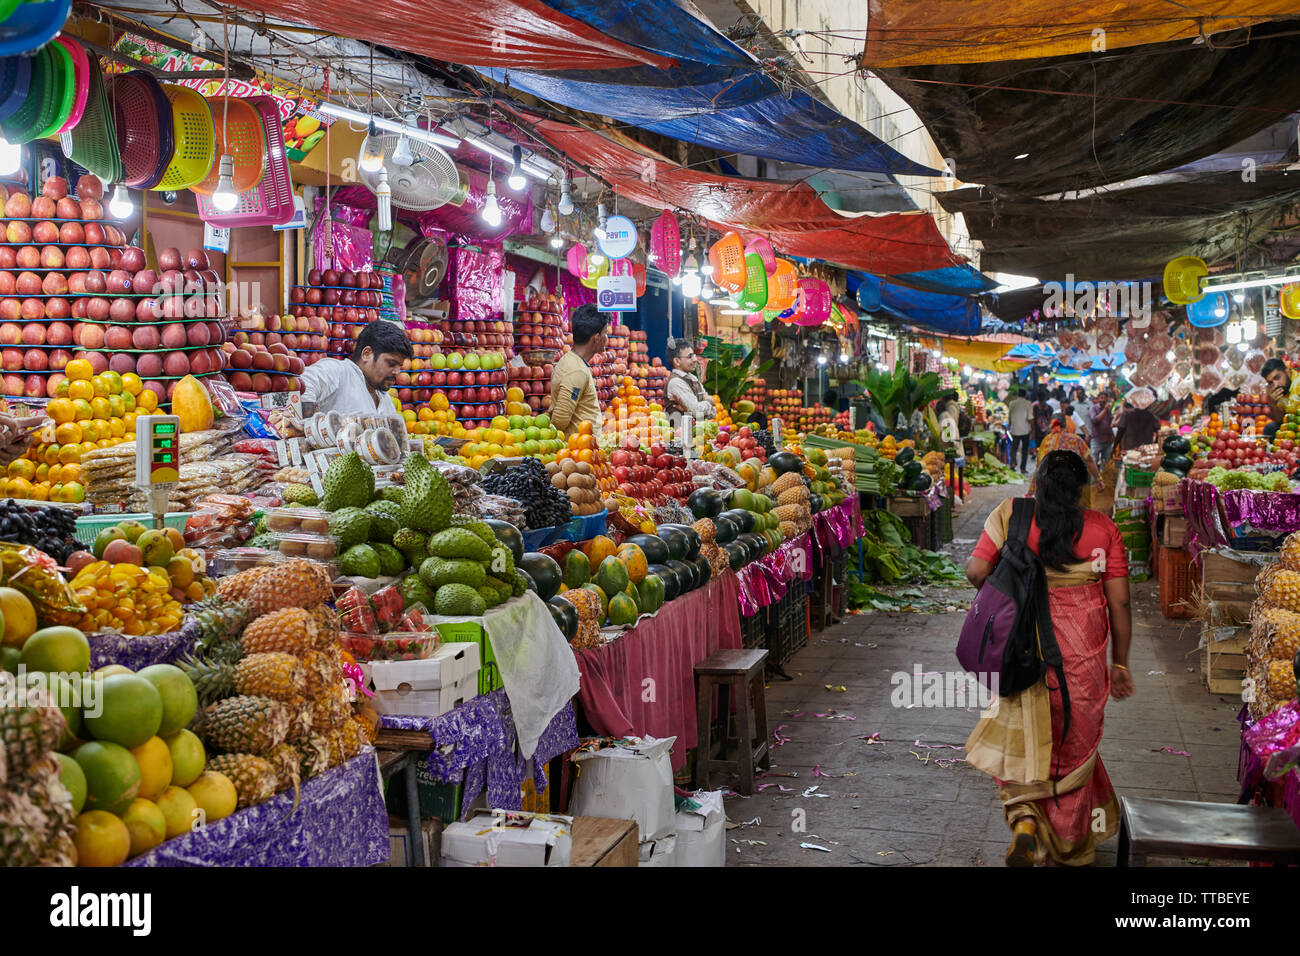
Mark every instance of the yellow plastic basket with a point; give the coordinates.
(195, 139)
(238, 132)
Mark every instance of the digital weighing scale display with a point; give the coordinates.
(157, 450)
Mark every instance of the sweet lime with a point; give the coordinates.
(58, 650)
(18, 615)
(177, 806)
(101, 839)
(179, 699)
(146, 824)
(155, 762)
(130, 710)
(73, 779)
(112, 775)
(215, 795)
(188, 757)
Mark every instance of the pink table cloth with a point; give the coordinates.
(644, 683)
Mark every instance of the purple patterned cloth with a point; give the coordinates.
(475, 744)
(110, 647)
(340, 820)
(1248, 511)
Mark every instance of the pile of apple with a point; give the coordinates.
(345, 301)
(258, 367)
(478, 334)
(1230, 450)
(300, 334)
(654, 477)
(474, 382)
(743, 440)
(539, 324)
(535, 382)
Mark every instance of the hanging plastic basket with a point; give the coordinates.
(142, 121)
(15, 78)
(666, 244)
(80, 81)
(65, 90)
(42, 100)
(195, 139)
(1288, 300)
(814, 302)
(782, 286)
(764, 248)
(92, 143)
(597, 267)
(31, 25)
(755, 319)
(754, 296)
(238, 131)
(1182, 279)
(727, 256)
(270, 202)
(577, 261)
(638, 273)
(1211, 311)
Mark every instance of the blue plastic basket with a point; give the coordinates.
(585, 527)
(15, 78)
(541, 537)
(32, 25)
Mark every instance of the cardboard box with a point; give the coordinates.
(1223, 658)
(632, 780)
(508, 838)
(601, 842)
(1173, 532)
(429, 687)
(661, 852)
(701, 830)
(399, 841)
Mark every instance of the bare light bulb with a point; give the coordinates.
(491, 209)
(120, 205)
(371, 159)
(516, 180)
(691, 284)
(224, 198)
(556, 241)
(566, 201)
(548, 221)
(402, 154)
(384, 196)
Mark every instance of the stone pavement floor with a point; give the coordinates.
(888, 787)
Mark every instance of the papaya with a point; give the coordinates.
(622, 610)
(577, 569)
(636, 562)
(192, 405)
(612, 576)
(598, 549)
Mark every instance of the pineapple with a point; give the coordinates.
(254, 778)
(313, 755)
(1289, 556)
(1278, 631)
(354, 738)
(297, 583)
(290, 631)
(236, 587)
(706, 529)
(1281, 680)
(787, 481)
(328, 622)
(323, 670)
(284, 758)
(788, 512)
(300, 718)
(23, 828)
(269, 674)
(27, 733)
(794, 496)
(245, 724)
(219, 623)
(1282, 590)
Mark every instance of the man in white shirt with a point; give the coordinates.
(1020, 412)
(685, 395)
(359, 385)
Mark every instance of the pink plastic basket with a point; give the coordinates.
(666, 244)
(577, 261)
(81, 70)
(271, 203)
(765, 251)
(815, 302)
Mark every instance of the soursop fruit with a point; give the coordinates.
(427, 501)
(360, 560)
(414, 544)
(459, 543)
(303, 495)
(394, 508)
(459, 599)
(349, 482)
(503, 590)
(393, 493)
(260, 527)
(351, 526)
(266, 542)
(415, 591)
(382, 525)
(477, 525)
(502, 562)
(519, 583)
(491, 596)
(437, 572)
(391, 561)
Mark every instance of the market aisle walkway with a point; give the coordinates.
(916, 804)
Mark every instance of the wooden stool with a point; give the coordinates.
(1220, 831)
(742, 670)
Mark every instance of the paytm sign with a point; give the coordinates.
(616, 294)
(618, 238)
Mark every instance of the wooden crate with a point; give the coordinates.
(1223, 658)
(599, 841)
(1173, 531)
(908, 507)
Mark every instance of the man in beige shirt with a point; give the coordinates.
(573, 390)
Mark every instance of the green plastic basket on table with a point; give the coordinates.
(89, 526)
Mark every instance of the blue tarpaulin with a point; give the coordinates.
(952, 314)
(955, 280)
(660, 26)
(731, 110)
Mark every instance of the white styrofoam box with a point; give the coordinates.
(632, 780)
(509, 839)
(702, 830)
(661, 852)
(426, 703)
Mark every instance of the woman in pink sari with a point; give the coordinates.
(1056, 796)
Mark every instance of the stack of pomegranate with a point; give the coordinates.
(539, 327)
(343, 302)
(535, 382)
(68, 280)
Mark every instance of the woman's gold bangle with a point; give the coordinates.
(1120, 666)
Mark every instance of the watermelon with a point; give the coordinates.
(737, 554)
(668, 579)
(652, 546)
(1177, 445)
(706, 503)
(544, 571)
(726, 529)
(687, 574)
(692, 539)
(904, 455)
(742, 519)
(1178, 464)
(565, 616)
(508, 535)
(783, 462)
(676, 542)
(702, 563)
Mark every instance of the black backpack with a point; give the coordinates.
(1007, 640)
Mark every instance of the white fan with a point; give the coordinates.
(430, 181)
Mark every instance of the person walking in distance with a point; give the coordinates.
(1020, 420)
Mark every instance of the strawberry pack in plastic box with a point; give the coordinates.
(378, 628)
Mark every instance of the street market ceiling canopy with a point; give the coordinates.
(791, 216)
(1050, 125)
(520, 33)
(954, 314)
(988, 356)
(955, 280)
(730, 110)
(922, 32)
(1124, 234)
(661, 26)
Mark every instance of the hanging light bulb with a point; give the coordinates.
(692, 284)
(557, 241)
(372, 150)
(706, 289)
(1249, 329)
(1233, 333)
(516, 180)
(491, 209)
(224, 198)
(402, 155)
(821, 359)
(11, 157)
(120, 205)
(548, 221)
(599, 229)
(566, 201)
(844, 358)
(384, 195)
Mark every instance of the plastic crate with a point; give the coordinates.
(1135, 477)
(585, 527)
(753, 629)
(1175, 576)
(945, 520)
(89, 526)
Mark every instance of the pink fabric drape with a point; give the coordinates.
(664, 649)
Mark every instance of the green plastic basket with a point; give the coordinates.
(65, 90)
(89, 526)
(1135, 477)
(754, 296)
(92, 143)
(41, 102)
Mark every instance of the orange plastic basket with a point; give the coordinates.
(727, 256)
(238, 131)
(782, 287)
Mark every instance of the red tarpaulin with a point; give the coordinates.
(791, 215)
(525, 34)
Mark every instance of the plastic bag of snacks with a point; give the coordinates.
(36, 574)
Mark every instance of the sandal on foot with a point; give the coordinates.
(1024, 843)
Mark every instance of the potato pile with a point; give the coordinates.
(578, 481)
